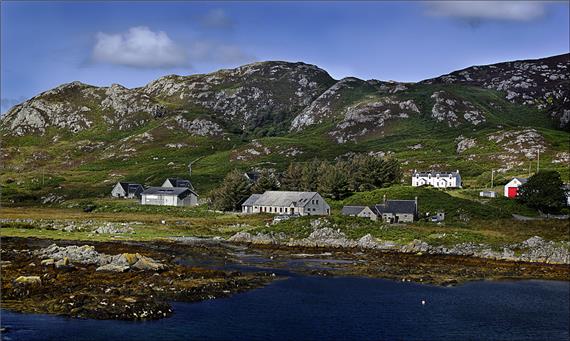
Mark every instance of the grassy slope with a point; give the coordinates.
(64, 170)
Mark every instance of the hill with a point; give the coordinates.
(77, 140)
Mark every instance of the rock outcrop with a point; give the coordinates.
(541, 83)
(87, 255)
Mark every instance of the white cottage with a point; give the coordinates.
(436, 179)
(169, 196)
(287, 202)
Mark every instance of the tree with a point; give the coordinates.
(310, 176)
(291, 180)
(543, 191)
(333, 181)
(265, 182)
(233, 191)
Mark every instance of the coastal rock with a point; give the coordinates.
(86, 254)
(109, 228)
(328, 237)
(368, 242)
(537, 249)
(113, 268)
(259, 238)
(415, 246)
(29, 280)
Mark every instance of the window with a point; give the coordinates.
(317, 201)
(280, 209)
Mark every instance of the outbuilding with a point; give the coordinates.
(127, 190)
(169, 196)
(360, 211)
(512, 188)
(174, 182)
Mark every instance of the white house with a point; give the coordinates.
(436, 179)
(512, 188)
(127, 190)
(286, 202)
(169, 196)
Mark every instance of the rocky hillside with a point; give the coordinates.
(541, 83)
(248, 97)
(271, 113)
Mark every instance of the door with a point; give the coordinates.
(512, 192)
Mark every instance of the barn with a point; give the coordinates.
(512, 188)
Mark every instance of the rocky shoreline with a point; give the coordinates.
(534, 249)
(136, 280)
(129, 284)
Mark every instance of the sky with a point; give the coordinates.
(45, 44)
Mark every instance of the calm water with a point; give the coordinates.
(317, 308)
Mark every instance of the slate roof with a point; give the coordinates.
(396, 207)
(180, 183)
(252, 175)
(522, 180)
(251, 200)
(352, 210)
(130, 186)
(284, 198)
(435, 173)
(180, 192)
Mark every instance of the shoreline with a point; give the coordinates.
(197, 269)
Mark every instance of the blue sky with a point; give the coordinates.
(44, 44)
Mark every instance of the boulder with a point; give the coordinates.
(48, 262)
(113, 268)
(28, 280)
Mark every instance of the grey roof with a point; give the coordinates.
(180, 182)
(433, 173)
(252, 175)
(130, 186)
(180, 192)
(352, 210)
(251, 200)
(284, 198)
(396, 206)
(522, 180)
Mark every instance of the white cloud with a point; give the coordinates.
(217, 18)
(139, 47)
(218, 52)
(488, 10)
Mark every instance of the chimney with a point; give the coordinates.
(384, 199)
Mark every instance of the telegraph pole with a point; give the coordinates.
(492, 177)
(538, 160)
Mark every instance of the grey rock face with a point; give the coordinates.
(542, 83)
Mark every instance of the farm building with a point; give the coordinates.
(512, 188)
(436, 179)
(169, 196)
(488, 194)
(174, 182)
(391, 211)
(285, 202)
(360, 211)
(127, 190)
